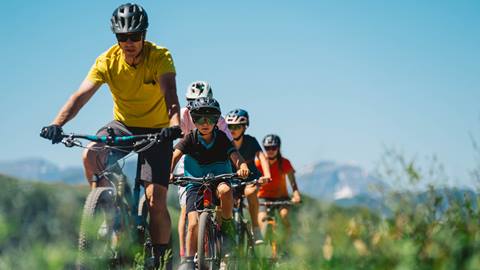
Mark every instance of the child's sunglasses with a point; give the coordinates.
(211, 120)
(271, 148)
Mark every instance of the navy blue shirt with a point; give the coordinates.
(248, 150)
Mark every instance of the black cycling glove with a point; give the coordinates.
(171, 133)
(53, 133)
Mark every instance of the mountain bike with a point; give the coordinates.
(209, 252)
(270, 228)
(113, 229)
(244, 238)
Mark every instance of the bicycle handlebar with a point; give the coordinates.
(276, 203)
(182, 180)
(244, 183)
(111, 139)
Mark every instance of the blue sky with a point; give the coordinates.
(336, 80)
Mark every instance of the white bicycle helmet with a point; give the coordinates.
(199, 89)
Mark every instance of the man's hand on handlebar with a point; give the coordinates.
(171, 133)
(53, 133)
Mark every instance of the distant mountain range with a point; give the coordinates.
(349, 185)
(42, 170)
(331, 181)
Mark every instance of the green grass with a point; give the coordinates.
(39, 225)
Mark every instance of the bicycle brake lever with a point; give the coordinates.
(71, 142)
(68, 143)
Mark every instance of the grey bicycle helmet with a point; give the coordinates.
(237, 117)
(271, 140)
(129, 18)
(205, 106)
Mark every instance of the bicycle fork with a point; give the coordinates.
(270, 228)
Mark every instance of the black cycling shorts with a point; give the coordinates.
(194, 200)
(153, 164)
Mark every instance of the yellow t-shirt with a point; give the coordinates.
(138, 100)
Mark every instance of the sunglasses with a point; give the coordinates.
(211, 120)
(137, 36)
(271, 148)
(235, 126)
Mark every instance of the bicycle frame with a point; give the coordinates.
(209, 239)
(271, 224)
(124, 207)
(242, 224)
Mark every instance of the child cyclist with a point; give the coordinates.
(238, 121)
(195, 90)
(207, 150)
(276, 190)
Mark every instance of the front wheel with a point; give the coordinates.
(208, 249)
(98, 237)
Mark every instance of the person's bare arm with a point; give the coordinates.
(240, 164)
(296, 198)
(265, 166)
(76, 101)
(177, 155)
(169, 86)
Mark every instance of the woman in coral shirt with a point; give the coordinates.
(276, 190)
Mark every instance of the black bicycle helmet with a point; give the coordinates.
(205, 106)
(129, 18)
(237, 117)
(271, 140)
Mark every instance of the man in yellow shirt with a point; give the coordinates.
(141, 78)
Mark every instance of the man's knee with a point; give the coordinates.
(89, 155)
(156, 197)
